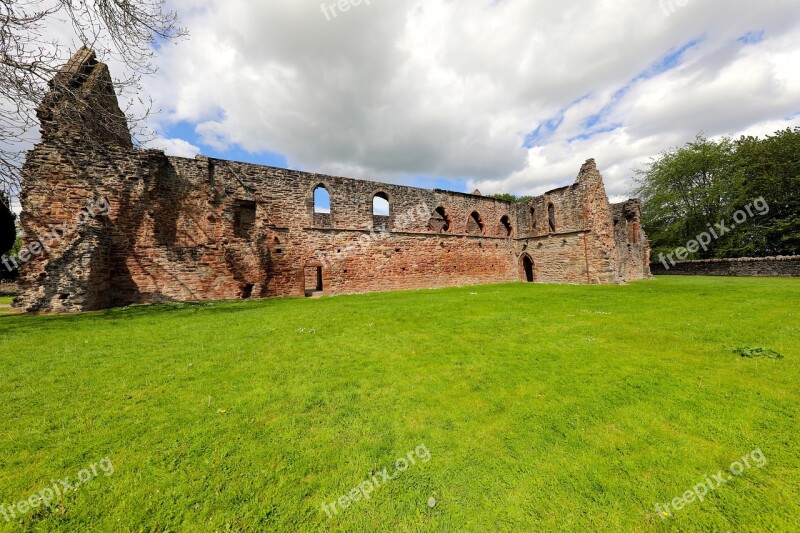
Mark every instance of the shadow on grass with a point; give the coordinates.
(16, 323)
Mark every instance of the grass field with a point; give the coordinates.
(525, 407)
(5, 301)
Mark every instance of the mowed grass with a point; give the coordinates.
(542, 407)
(5, 301)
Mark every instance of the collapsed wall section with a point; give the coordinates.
(166, 228)
(631, 246)
(570, 234)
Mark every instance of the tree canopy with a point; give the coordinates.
(507, 197)
(688, 190)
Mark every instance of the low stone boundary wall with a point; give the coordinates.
(8, 289)
(783, 266)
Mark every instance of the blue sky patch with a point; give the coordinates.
(671, 60)
(592, 124)
(186, 131)
(589, 134)
(751, 37)
(547, 128)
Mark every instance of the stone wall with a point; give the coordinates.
(783, 266)
(191, 229)
(8, 288)
(630, 242)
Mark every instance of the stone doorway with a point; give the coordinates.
(527, 266)
(313, 282)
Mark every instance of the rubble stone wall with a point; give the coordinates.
(774, 267)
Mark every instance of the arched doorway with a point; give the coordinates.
(527, 267)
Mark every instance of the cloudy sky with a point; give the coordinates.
(500, 95)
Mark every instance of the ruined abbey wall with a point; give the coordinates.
(137, 226)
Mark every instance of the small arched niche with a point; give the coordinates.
(506, 229)
(439, 221)
(475, 224)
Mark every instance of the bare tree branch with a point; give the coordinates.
(122, 30)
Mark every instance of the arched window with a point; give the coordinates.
(474, 224)
(505, 226)
(533, 219)
(551, 216)
(439, 221)
(321, 212)
(322, 199)
(380, 205)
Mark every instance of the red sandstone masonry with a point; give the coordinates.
(193, 229)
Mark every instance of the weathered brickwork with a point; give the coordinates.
(192, 229)
(765, 267)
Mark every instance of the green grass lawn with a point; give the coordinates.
(540, 407)
(5, 301)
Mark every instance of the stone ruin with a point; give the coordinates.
(107, 224)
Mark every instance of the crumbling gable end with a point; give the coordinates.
(82, 105)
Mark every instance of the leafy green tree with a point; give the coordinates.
(506, 197)
(685, 190)
(770, 169)
(690, 189)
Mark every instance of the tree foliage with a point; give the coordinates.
(770, 168)
(690, 189)
(506, 197)
(119, 30)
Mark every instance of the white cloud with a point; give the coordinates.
(175, 147)
(448, 89)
